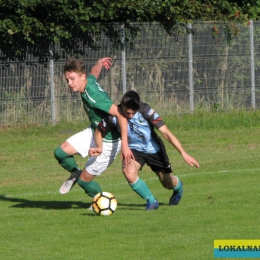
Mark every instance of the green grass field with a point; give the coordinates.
(221, 199)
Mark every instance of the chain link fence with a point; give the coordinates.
(212, 69)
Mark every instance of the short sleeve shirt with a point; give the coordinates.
(141, 134)
(97, 103)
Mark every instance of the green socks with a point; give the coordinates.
(68, 162)
(91, 188)
(141, 188)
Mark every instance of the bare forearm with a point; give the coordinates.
(98, 139)
(126, 153)
(123, 128)
(123, 124)
(96, 151)
(96, 69)
(174, 141)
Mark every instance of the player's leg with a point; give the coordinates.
(64, 155)
(86, 182)
(167, 180)
(138, 185)
(96, 165)
(159, 163)
(171, 182)
(177, 191)
(76, 144)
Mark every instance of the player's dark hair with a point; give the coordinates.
(131, 100)
(75, 65)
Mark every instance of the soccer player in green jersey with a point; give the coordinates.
(97, 105)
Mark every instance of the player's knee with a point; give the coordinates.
(129, 172)
(59, 154)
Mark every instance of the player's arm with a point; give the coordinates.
(126, 153)
(170, 137)
(96, 151)
(104, 62)
(106, 125)
(155, 120)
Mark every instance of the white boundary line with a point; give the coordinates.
(208, 173)
(146, 180)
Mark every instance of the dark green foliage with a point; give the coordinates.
(33, 25)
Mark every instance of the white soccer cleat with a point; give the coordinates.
(70, 182)
(67, 185)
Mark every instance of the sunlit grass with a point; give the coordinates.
(221, 199)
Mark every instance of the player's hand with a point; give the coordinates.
(95, 151)
(106, 62)
(126, 156)
(190, 160)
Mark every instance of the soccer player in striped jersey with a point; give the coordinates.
(147, 148)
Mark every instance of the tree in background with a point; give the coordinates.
(34, 25)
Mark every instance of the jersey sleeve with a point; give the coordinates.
(107, 124)
(151, 116)
(97, 97)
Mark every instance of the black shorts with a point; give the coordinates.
(158, 162)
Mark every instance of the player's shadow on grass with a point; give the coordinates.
(60, 205)
(23, 203)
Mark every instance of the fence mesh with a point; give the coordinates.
(157, 67)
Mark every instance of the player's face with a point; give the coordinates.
(76, 81)
(129, 113)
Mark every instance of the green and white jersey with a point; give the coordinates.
(97, 103)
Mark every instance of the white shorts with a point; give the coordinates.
(95, 165)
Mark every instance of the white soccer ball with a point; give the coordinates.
(104, 204)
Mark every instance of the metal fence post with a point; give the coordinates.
(252, 62)
(52, 87)
(191, 71)
(123, 59)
